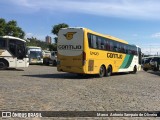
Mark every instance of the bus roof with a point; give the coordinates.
(11, 37)
(96, 33)
(107, 36)
(33, 47)
(151, 56)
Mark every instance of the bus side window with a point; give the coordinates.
(103, 42)
(135, 51)
(122, 48)
(107, 45)
(2, 43)
(118, 47)
(20, 51)
(90, 40)
(111, 45)
(127, 49)
(115, 48)
(99, 43)
(94, 41)
(12, 47)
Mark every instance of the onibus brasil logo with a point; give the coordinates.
(69, 35)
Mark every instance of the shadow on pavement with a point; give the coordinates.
(12, 69)
(155, 72)
(61, 76)
(70, 76)
(50, 65)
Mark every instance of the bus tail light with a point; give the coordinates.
(83, 58)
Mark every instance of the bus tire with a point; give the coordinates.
(102, 71)
(145, 69)
(109, 71)
(3, 64)
(46, 61)
(54, 63)
(158, 68)
(134, 70)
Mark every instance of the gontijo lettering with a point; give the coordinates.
(113, 55)
(69, 47)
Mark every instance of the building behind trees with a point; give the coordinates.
(48, 40)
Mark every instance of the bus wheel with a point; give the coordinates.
(134, 70)
(145, 69)
(46, 61)
(109, 71)
(156, 68)
(54, 63)
(3, 65)
(102, 71)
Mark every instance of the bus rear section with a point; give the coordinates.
(70, 50)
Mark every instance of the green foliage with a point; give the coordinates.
(56, 29)
(35, 42)
(10, 29)
(2, 27)
(52, 47)
(56, 39)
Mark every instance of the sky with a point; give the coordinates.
(135, 21)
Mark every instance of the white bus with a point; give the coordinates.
(35, 55)
(13, 52)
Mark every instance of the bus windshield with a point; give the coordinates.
(2, 43)
(35, 54)
(17, 48)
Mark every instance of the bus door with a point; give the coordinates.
(17, 49)
(21, 54)
(139, 58)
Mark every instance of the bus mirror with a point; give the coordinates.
(27, 56)
(28, 52)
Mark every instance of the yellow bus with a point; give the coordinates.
(83, 51)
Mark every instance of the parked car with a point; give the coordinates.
(54, 57)
(50, 57)
(146, 63)
(155, 63)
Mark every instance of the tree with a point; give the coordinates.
(2, 26)
(10, 29)
(52, 47)
(36, 42)
(56, 29)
